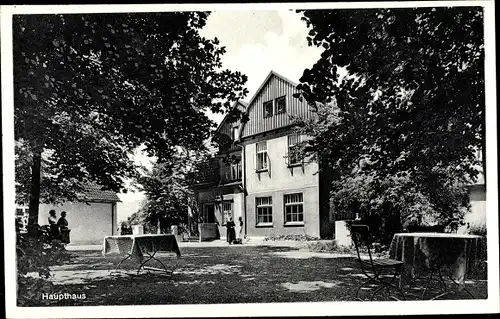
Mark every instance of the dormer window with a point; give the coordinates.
(268, 109)
(280, 105)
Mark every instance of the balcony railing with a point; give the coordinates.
(344, 215)
(215, 173)
(231, 174)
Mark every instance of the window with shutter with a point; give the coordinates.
(261, 156)
(293, 156)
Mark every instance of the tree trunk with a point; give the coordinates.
(483, 147)
(35, 189)
(483, 155)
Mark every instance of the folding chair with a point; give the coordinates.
(375, 268)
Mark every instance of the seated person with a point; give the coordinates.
(53, 227)
(62, 223)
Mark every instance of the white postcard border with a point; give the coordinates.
(491, 305)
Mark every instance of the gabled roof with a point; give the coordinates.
(261, 87)
(93, 193)
(259, 90)
(244, 104)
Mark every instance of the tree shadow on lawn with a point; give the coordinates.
(230, 275)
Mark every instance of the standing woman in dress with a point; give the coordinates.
(240, 230)
(231, 234)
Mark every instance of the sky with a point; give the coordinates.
(256, 42)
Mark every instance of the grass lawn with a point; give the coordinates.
(239, 274)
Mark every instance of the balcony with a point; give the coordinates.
(216, 173)
(206, 174)
(230, 174)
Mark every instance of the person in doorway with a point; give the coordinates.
(231, 233)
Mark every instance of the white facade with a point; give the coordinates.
(89, 223)
(477, 216)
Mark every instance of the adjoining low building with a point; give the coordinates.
(477, 192)
(219, 192)
(90, 219)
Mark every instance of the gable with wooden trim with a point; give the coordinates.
(228, 130)
(273, 106)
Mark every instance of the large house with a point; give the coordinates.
(275, 192)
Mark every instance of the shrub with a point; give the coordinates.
(290, 237)
(329, 246)
(396, 202)
(480, 230)
(35, 255)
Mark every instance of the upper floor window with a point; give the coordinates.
(280, 105)
(268, 108)
(293, 156)
(294, 208)
(234, 133)
(261, 156)
(236, 171)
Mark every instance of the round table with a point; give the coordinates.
(454, 254)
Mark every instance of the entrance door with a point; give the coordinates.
(208, 213)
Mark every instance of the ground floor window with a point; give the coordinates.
(294, 208)
(227, 211)
(264, 209)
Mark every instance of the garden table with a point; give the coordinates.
(453, 254)
(138, 246)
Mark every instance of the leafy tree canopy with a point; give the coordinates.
(90, 88)
(399, 99)
(168, 189)
(413, 97)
